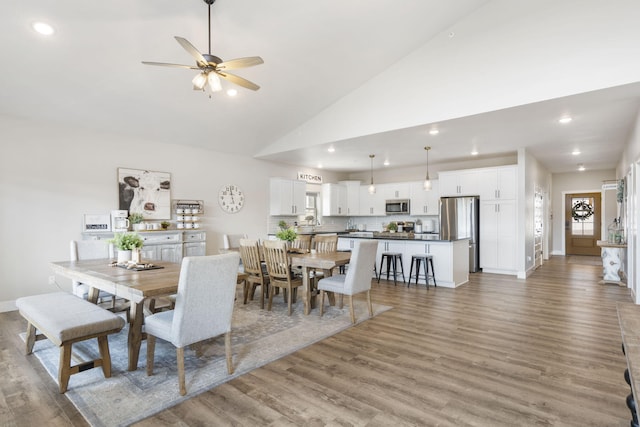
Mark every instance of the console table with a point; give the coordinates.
(613, 259)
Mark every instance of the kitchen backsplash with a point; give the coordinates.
(338, 224)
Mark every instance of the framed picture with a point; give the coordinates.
(145, 192)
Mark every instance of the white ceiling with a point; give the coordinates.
(89, 74)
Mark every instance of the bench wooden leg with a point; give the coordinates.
(64, 367)
(31, 337)
(103, 344)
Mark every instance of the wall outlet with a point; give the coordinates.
(52, 280)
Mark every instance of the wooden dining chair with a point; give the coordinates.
(302, 243)
(357, 279)
(279, 269)
(255, 269)
(204, 308)
(324, 243)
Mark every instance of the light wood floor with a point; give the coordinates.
(495, 352)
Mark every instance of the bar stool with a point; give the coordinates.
(427, 259)
(392, 262)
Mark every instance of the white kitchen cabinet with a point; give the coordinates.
(498, 183)
(498, 236)
(397, 190)
(459, 183)
(353, 197)
(371, 204)
(424, 202)
(334, 200)
(286, 197)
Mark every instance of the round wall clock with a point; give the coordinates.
(231, 198)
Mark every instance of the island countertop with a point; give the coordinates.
(395, 236)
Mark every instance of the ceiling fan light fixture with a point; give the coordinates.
(214, 82)
(199, 81)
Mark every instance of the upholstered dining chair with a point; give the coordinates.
(253, 267)
(232, 241)
(279, 269)
(204, 307)
(90, 249)
(357, 279)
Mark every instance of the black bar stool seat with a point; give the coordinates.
(428, 261)
(392, 259)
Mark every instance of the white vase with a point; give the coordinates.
(124, 257)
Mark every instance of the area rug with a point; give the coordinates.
(258, 337)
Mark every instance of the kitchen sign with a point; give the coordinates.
(309, 178)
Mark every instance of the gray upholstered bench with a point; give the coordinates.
(64, 318)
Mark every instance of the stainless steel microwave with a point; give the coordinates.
(397, 207)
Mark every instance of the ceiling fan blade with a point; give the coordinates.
(192, 50)
(164, 64)
(238, 80)
(234, 64)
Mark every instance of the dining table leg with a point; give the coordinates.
(136, 317)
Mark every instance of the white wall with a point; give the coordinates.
(50, 176)
(573, 182)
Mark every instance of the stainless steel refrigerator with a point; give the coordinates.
(459, 219)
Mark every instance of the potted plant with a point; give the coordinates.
(126, 243)
(165, 225)
(287, 234)
(135, 219)
(392, 227)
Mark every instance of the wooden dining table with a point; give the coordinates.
(134, 286)
(317, 261)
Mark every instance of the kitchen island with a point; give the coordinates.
(450, 257)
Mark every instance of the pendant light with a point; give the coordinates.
(372, 188)
(427, 181)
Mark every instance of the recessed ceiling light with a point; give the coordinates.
(43, 28)
(232, 92)
(319, 165)
(581, 167)
(331, 149)
(565, 120)
(474, 152)
(434, 132)
(386, 163)
(575, 152)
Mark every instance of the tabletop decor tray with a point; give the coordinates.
(139, 267)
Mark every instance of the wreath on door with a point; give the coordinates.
(581, 211)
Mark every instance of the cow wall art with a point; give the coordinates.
(145, 192)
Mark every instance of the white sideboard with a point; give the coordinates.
(170, 245)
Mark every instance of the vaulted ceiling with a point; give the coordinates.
(359, 76)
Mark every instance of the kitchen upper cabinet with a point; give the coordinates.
(500, 183)
(424, 202)
(371, 204)
(287, 196)
(342, 199)
(353, 197)
(498, 236)
(459, 183)
(334, 200)
(398, 190)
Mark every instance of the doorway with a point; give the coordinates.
(582, 220)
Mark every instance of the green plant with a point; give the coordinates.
(283, 225)
(136, 218)
(288, 234)
(165, 224)
(392, 226)
(127, 241)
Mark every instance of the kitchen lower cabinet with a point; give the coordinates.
(450, 258)
(392, 246)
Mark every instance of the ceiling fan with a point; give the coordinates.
(212, 67)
